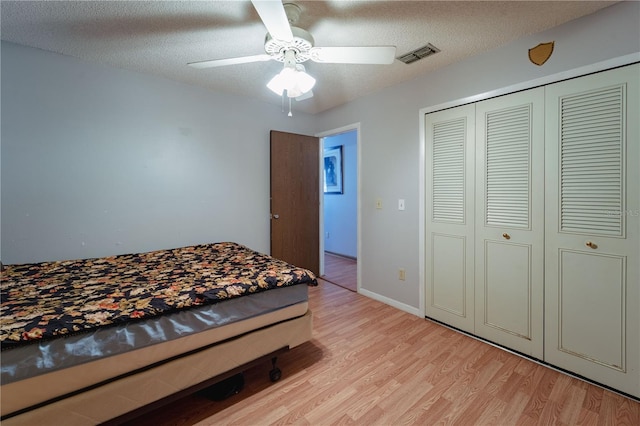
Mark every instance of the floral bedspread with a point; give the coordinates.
(50, 299)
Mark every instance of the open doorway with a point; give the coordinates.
(340, 207)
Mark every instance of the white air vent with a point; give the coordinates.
(419, 53)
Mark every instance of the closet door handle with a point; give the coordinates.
(506, 236)
(591, 244)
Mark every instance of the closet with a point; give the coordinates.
(533, 220)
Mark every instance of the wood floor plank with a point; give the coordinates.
(514, 409)
(369, 395)
(433, 409)
(573, 405)
(371, 364)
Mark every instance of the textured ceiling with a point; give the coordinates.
(161, 37)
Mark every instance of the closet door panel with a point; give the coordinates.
(448, 278)
(449, 216)
(587, 308)
(592, 297)
(507, 291)
(509, 221)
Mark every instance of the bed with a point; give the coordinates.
(91, 341)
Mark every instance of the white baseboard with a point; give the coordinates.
(394, 303)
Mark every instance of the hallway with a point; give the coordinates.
(341, 271)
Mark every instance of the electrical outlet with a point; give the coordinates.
(401, 274)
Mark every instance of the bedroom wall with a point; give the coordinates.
(341, 210)
(98, 161)
(391, 145)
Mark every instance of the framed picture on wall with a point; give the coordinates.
(333, 170)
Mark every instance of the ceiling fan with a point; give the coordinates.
(292, 46)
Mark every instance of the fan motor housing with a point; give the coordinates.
(301, 45)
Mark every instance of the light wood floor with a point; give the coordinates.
(371, 364)
(341, 271)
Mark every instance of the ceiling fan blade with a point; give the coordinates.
(231, 61)
(304, 96)
(274, 18)
(354, 55)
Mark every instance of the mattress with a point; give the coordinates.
(47, 300)
(37, 389)
(57, 354)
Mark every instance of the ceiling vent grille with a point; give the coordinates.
(419, 53)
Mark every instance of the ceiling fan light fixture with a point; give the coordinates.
(279, 83)
(294, 80)
(303, 83)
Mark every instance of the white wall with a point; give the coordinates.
(391, 146)
(124, 162)
(99, 161)
(341, 210)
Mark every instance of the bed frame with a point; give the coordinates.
(131, 395)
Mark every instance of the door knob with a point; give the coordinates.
(506, 236)
(276, 216)
(591, 244)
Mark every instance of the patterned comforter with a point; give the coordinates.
(51, 299)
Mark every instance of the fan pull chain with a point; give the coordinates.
(290, 115)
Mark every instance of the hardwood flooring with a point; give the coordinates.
(341, 271)
(372, 364)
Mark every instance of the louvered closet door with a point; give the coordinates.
(449, 215)
(510, 221)
(592, 325)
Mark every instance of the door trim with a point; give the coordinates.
(322, 135)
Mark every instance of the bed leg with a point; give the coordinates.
(275, 374)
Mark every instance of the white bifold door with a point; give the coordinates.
(533, 223)
(509, 255)
(592, 296)
(450, 159)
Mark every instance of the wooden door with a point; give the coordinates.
(295, 199)
(449, 205)
(510, 221)
(592, 294)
